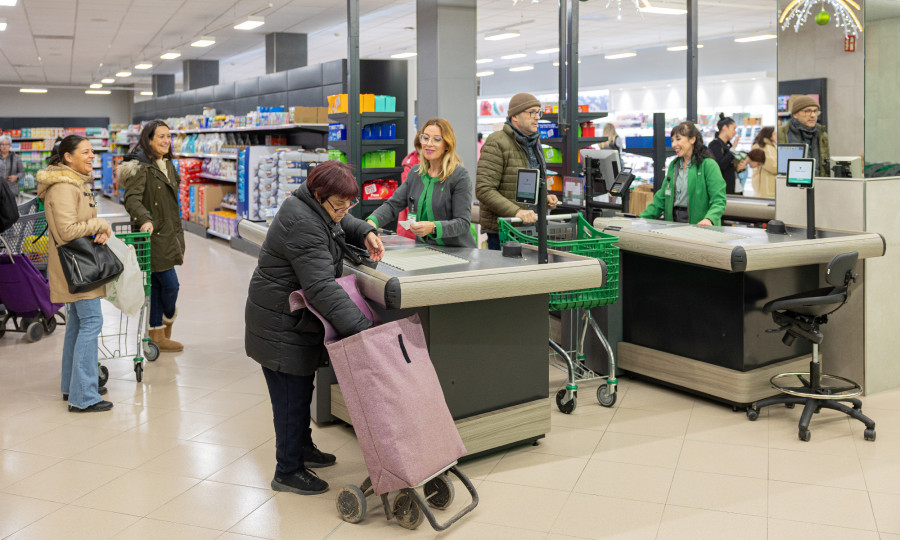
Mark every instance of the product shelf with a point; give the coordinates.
(220, 178)
(218, 234)
(368, 118)
(279, 127)
(198, 155)
(368, 144)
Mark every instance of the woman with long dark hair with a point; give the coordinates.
(764, 175)
(720, 147)
(693, 190)
(65, 186)
(151, 198)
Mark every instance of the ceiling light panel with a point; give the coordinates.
(98, 92)
(486, 73)
(548, 51)
(33, 90)
(751, 39)
(107, 81)
(204, 41)
(96, 85)
(123, 74)
(513, 56)
(170, 55)
(507, 34)
(522, 68)
(250, 23)
(146, 93)
(404, 55)
(484, 60)
(143, 65)
(619, 56)
(9, 3)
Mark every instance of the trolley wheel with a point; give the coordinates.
(138, 372)
(869, 434)
(804, 435)
(104, 376)
(752, 414)
(569, 406)
(412, 517)
(439, 492)
(151, 351)
(788, 405)
(34, 331)
(351, 504)
(604, 397)
(51, 325)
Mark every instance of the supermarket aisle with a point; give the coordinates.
(189, 454)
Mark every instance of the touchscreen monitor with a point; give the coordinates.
(800, 172)
(527, 186)
(789, 151)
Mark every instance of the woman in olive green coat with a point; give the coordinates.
(151, 198)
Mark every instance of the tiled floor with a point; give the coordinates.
(189, 453)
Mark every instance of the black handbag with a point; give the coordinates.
(88, 265)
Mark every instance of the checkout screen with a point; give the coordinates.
(526, 186)
(800, 172)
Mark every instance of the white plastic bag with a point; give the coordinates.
(127, 291)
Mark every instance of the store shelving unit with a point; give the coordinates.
(570, 167)
(322, 128)
(217, 178)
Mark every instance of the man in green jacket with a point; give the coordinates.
(516, 146)
(804, 127)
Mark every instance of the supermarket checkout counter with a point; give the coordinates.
(485, 320)
(692, 301)
(749, 209)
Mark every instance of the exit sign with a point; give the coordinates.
(849, 43)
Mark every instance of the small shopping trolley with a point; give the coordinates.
(573, 234)
(131, 337)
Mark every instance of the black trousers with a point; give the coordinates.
(291, 396)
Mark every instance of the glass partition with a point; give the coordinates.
(882, 79)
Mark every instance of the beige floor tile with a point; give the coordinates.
(15, 431)
(639, 449)
(593, 418)
(211, 379)
(286, 514)
(736, 494)
(819, 504)
(534, 509)
(169, 396)
(473, 530)
(18, 512)
(679, 522)
(350, 451)
(657, 423)
(781, 529)
(327, 437)
(813, 468)
(123, 417)
(830, 432)
(882, 475)
(254, 383)
(727, 426)
(885, 506)
(223, 403)
(246, 430)
(253, 469)
(341, 474)
(212, 505)
(655, 398)
(15, 466)
(152, 529)
(592, 516)
(888, 536)
(65, 481)
(180, 425)
(625, 481)
(888, 399)
(129, 449)
(74, 523)
(538, 470)
(235, 536)
(730, 459)
(235, 362)
(12, 404)
(567, 442)
(54, 412)
(886, 446)
(137, 493)
(887, 421)
(193, 459)
(67, 440)
(479, 468)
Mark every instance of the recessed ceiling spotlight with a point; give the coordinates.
(123, 74)
(144, 65)
(404, 55)
(250, 23)
(2, 25)
(506, 34)
(107, 81)
(96, 85)
(513, 56)
(33, 90)
(170, 55)
(204, 41)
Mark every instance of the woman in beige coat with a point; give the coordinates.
(71, 213)
(764, 175)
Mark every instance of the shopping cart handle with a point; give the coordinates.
(114, 216)
(553, 217)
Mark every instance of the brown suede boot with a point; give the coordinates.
(158, 336)
(167, 322)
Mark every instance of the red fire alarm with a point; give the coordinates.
(849, 43)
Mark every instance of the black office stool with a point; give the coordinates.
(799, 316)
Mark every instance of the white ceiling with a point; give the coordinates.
(76, 42)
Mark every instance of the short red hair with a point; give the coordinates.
(331, 178)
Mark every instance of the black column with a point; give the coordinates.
(285, 51)
(163, 84)
(200, 73)
(692, 77)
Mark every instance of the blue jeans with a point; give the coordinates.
(291, 396)
(163, 294)
(84, 320)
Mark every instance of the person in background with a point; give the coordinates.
(151, 198)
(804, 127)
(764, 174)
(516, 146)
(438, 192)
(479, 144)
(720, 147)
(303, 249)
(11, 169)
(613, 141)
(693, 190)
(65, 187)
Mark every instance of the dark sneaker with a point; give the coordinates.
(315, 458)
(96, 407)
(302, 482)
(102, 391)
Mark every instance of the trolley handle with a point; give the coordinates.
(553, 217)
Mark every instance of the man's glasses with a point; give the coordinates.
(535, 114)
(344, 208)
(425, 138)
(811, 111)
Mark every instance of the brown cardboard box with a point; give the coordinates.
(641, 197)
(322, 116)
(304, 115)
(210, 196)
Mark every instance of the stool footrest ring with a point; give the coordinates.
(847, 389)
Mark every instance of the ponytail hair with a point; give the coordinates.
(688, 129)
(64, 146)
(723, 121)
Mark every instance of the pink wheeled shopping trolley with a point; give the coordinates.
(404, 428)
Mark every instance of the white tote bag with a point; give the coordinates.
(127, 291)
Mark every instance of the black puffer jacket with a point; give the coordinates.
(301, 251)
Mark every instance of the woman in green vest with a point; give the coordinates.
(693, 190)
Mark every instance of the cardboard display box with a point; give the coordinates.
(207, 198)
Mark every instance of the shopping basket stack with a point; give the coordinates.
(130, 337)
(572, 233)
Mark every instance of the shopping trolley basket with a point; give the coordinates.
(130, 337)
(573, 234)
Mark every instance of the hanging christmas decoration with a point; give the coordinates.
(796, 13)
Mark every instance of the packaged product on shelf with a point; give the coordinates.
(337, 155)
(552, 155)
(548, 130)
(379, 190)
(385, 104)
(338, 132)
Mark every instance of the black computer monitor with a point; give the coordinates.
(601, 168)
(801, 172)
(790, 151)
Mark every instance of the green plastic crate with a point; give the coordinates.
(141, 243)
(580, 238)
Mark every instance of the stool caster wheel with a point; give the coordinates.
(788, 405)
(869, 434)
(857, 407)
(818, 409)
(752, 414)
(804, 435)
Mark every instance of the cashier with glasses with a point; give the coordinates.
(804, 127)
(437, 192)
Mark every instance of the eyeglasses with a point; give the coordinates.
(811, 111)
(425, 138)
(342, 209)
(535, 114)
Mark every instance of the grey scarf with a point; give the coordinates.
(807, 135)
(532, 146)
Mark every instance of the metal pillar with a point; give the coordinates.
(692, 74)
(354, 129)
(571, 137)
